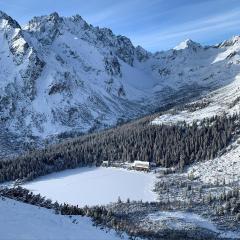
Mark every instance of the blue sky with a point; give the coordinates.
(153, 24)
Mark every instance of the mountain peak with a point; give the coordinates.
(231, 42)
(2, 14)
(54, 15)
(13, 23)
(77, 17)
(188, 43)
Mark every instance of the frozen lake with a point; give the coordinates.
(95, 186)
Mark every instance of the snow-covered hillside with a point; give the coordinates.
(95, 186)
(185, 220)
(60, 74)
(19, 221)
(225, 100)
(221, 170)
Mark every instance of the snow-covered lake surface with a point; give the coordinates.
(19, 221)
(95, 186)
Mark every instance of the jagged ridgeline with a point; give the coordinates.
(176, 145)
(62, 75)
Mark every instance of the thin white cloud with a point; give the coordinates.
(119, 13)
(108, 13)
(153, 38)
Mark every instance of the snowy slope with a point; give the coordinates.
(95, 186)
(186, 220)
(221, 170)
(61, 74)
(21, 221)
(225, 100)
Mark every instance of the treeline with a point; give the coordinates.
(24, 195)
(122, 216)
(166, 145)
(100, 215)
(97, 213)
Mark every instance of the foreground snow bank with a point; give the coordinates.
(19, 221)
(95, 186)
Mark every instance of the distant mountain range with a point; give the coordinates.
(61, 74)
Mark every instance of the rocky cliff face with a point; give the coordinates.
(62, 74)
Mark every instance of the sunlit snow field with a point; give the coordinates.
(20, 221)
(95, 186)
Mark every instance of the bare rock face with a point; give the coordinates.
(9, 21)
(23, 55)
(112, 66)
(141, 54)
(62, 74)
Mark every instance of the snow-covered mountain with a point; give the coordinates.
(60, 74)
